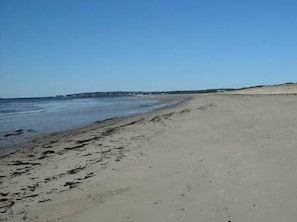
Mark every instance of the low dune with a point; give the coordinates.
(274, 89)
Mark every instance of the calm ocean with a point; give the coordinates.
(44, 115)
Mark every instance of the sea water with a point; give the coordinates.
(34, 116)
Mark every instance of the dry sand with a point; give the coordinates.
(216, 157)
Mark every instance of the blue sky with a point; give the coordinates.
(51, 47)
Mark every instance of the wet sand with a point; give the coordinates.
(216, 157)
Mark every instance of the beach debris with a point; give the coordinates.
(16, 173)
(53, 141)
(75, 147)
(89, 175)
(30, 156)
(5, 206)
(18, 132)
(44, 200)
(71, 184)
(167, 115)
(47, 146)
(105, 151)
(85, 141)
(47, 152)
(75, 170)
(109, 131)
(29, 196)
(156, 119)
(33, 187)
(105, 120)
(48, 179)
(18, 162)
(4, 194)
(185, 111)
(133, 122)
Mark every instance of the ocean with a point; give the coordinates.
(24, 119)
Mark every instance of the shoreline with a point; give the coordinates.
(186, 162)
(18, 140)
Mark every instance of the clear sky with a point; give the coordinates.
(51, 47)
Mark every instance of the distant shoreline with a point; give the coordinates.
(142, 93)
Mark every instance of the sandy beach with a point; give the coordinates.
(216, 157)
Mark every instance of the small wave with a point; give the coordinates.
(22, 113)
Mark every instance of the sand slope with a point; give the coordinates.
(214, 158)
